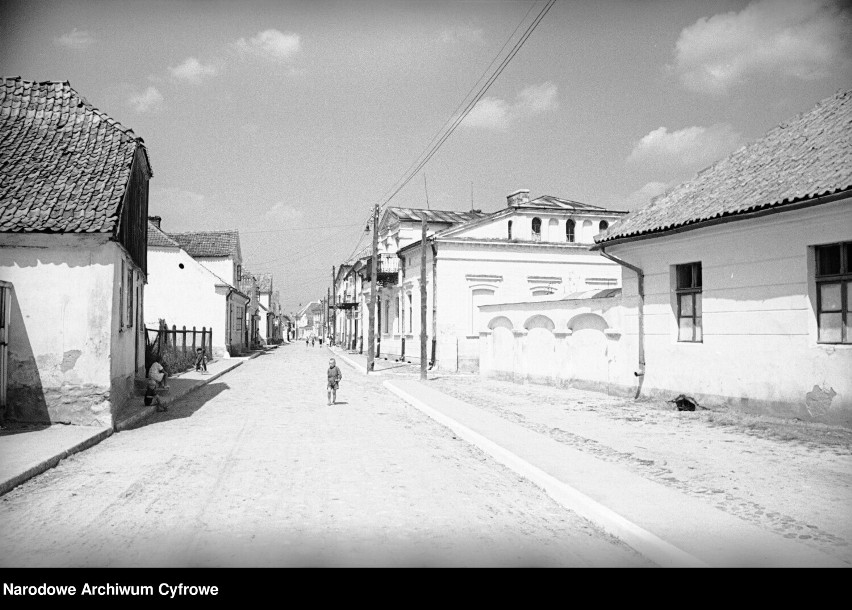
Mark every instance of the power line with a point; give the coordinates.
(476, 99)
(437, 133)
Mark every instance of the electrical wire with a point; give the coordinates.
(475, 100)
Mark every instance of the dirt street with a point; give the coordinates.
(255, 469)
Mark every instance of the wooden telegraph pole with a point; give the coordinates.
(334, 304)
(423, 358)
(371, 335)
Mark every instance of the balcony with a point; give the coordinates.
(347, 300)
(387, 272)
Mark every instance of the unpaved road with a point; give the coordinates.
(256, 470)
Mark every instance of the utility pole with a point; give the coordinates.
(434, 302)
(327, 316)
(371, 335)
(334, 303)
(423, 297)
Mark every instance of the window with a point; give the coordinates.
(130, 297)
(569, 230)
(834, 296)
(536, 229)
(121, 298)
(510, 229)
(410, 314)
(239, 274)
(688, 278)
(603, 226)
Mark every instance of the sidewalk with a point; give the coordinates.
(28, 451)
(380, 365)
(669, 527)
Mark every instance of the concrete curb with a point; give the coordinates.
(149, 411)
(644, 542)
(338, 354)
(51, 462)
(45, 465)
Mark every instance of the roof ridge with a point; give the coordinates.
(128, 131)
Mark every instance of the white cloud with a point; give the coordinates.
(193, 71)
(150, 99)
(495, 113)
(642, 196)
(75, 39)
(283, 213)
(270, 44)
(793, 38)
(689, 148)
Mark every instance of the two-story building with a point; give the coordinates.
(531, 249)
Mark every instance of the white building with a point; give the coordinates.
(737, 283)
(530, 249)
(185, 293)
(220, 253)
(73, 224)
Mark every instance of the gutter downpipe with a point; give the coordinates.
(640, 276)
(434, 301)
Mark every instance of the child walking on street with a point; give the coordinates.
(200, 360)
(334, 377)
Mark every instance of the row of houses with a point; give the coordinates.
(87, 279)
(733, 287)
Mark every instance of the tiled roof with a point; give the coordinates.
(264, 282)
(64, 164)
(247, 282)
(804, 158)
(413, 214)
(157, 238)
(209, 243)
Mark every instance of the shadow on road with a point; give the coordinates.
(185, 406)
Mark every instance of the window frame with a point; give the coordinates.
(536, 235)
(570, 231)
(603, 225)
(692, 292)
(843, 278)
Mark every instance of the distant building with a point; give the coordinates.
(738, 283)
(219, 251)
(73, 256)
(530, 249)
(184, 292)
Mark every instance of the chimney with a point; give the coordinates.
(156, 220)
(518, 197)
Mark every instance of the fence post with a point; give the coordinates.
(210, 343)
(184, 340)
(203, 339)
(193, 339)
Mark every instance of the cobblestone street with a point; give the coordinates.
(256, 470)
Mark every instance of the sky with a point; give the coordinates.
(288, 121)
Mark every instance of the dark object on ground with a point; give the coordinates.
(685, 403)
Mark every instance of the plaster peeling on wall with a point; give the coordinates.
(818, 400)
(69, 359)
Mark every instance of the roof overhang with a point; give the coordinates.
(726, 218)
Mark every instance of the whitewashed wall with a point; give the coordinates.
(760, 350)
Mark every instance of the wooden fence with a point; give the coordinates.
(183, 341)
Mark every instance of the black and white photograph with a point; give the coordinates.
(422, 284)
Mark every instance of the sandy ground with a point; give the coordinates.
(787, 476)
(256, 469)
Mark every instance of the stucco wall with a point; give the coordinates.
(184, 296)
(559, 342)
(67, 360)
(759, 352)
(470, 276)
